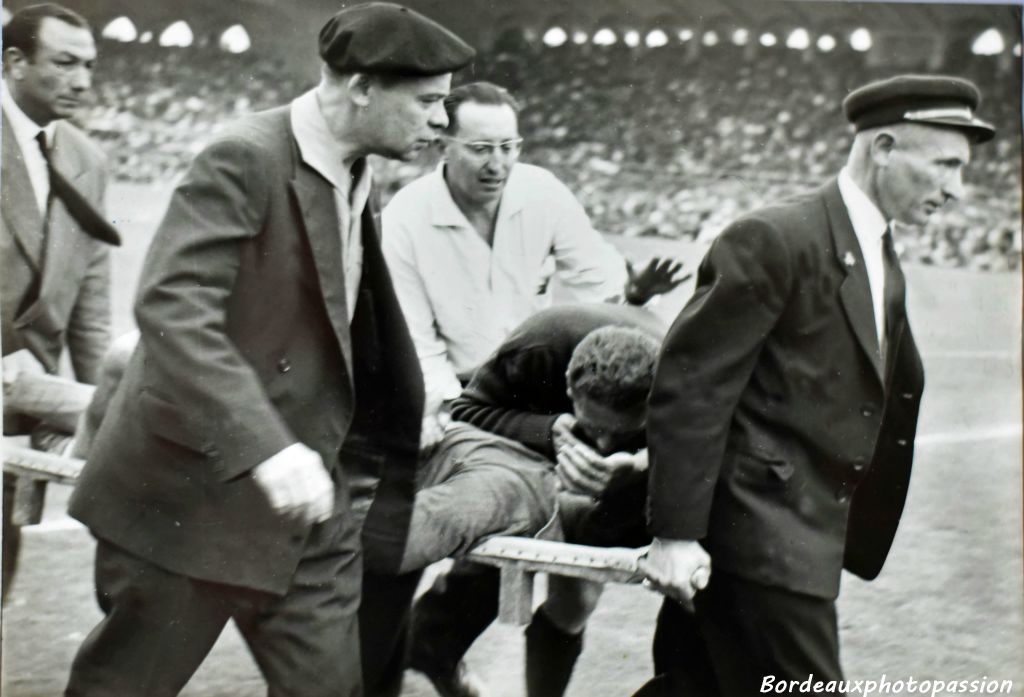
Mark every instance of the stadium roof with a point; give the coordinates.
(471, 17)
(287, 29)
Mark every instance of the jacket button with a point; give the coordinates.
(867, 410)
(858, 465)
(284, 365)
(843, 494)
(211, 451)
(907, 395)
(902, 442)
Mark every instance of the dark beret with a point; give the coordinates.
(385, 38)
(938, 100)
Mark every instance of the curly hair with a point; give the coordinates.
(613, 366)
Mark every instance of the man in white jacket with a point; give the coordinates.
(473, 245)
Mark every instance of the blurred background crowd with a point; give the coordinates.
(653, 141)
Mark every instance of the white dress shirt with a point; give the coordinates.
(870, 226)
(461, 297)
(321, 151)
(25, 132)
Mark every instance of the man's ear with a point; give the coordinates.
(359, 85)
(14, 63)
(882, 146)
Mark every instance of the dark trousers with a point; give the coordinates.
(384, 618)
(749, 631)
(159, 626)
(682, 666)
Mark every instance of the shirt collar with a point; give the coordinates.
(868, 222)
(444, 212)
(321, 150)
(24, 128)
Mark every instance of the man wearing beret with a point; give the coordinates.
(273, 371)
(782, 417)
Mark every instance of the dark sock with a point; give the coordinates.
(550, 657)
(449, 617)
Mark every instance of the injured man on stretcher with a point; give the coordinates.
(547, 439)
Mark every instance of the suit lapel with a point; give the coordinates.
(20, 213)
(61, 228)
(68, 159)
(855, 292)
(320, 220)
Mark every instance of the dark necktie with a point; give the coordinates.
(894, 293)
(81, 210)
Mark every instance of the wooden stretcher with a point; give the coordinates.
(521, 558)
(518, 558)
(33, 471)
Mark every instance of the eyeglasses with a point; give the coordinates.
(509, 147)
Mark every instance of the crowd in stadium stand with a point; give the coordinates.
(662, 141)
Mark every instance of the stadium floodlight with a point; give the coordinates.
(860, 40)
(798, 39)
(740, 37)
(631, 38)
(555, 36)
(120, 29)
(710, 38)
(1016, 50)
(988, 43)
(768, 39)
(580, 37)
(177, 34)
(235, 39)
(145, 37)
(6, 15)
(826, 43)
(605, 37)
(656, 38)
(685, 35)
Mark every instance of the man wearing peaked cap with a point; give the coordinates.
(236, 476)
(938, 101)
(782, 418)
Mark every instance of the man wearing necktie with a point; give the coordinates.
(54, 242)
(784, 407)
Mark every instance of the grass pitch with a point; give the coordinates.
(948, 606)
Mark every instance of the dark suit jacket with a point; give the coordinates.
(245, 349)
(774, 435)
(54, 278)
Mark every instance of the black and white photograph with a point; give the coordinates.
(536, 348)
